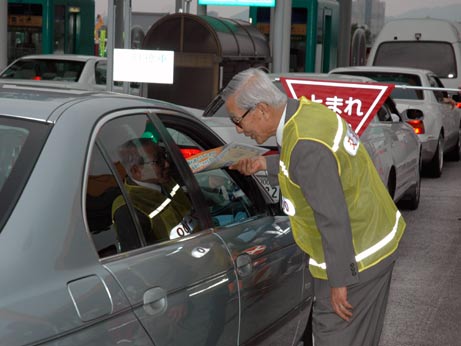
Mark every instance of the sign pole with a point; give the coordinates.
(110, 44)
(127, 35)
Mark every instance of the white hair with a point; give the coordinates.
(253, 86)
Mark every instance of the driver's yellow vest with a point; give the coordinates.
(165, 212)
(376, 223)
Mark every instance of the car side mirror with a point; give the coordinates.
(414, 114)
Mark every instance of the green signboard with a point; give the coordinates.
(265, 3)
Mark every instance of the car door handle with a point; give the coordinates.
(244, 265)
(155, 301)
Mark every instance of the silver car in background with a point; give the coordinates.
(392, 144)
(77, 71)
(438, 126)
(229, 273)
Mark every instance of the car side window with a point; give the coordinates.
(439, 95)
(439, 84)
(135, 195)
(100, 73)
(102, 190)
(384, 114)
(226, 200)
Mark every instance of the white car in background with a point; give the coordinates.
(438, 126)
(391, 142)
(76, 71)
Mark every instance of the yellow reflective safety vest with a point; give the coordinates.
(166, 213)
(376, 223)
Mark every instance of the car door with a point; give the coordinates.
(448, 113)
(404, 148)
(273, 279)
(183, 290)
(54, 290)
(375, 141)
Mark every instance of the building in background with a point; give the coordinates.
(50, 26)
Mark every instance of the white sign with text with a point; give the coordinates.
(143, 66)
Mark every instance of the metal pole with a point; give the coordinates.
(119, 16)
(282, 33)
(271, 37)
(426, 88)
(127, 35)
(344, 37)
(110, 44)
(187, 5)
(178, 6)
(201, 10)
(3, 33)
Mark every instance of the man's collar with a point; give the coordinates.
(291, 107)
(279, 133)
(148, 185)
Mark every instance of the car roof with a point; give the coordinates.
(73, 57)
(321, 76)
(390, 69)
(40, 101)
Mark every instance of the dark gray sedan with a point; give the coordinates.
(227, 273)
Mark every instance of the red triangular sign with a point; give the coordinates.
(356, 102)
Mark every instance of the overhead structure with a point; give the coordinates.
(209, 51)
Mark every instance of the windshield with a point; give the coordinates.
(20, 144)
(397, 79)
(437, 57)
(45, 69)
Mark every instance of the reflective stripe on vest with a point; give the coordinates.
(339, 135)
(371, 250)
(165, 202)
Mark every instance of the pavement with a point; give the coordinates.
(424, 306)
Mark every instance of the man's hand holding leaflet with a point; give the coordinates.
(223, 156)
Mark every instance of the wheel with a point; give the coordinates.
(455, 154)
(434, 168)
(391, 183)
(411, 200)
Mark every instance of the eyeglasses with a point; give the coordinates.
(237, 121)
(162, 158)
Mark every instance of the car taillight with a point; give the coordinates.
(188, 152)
(418, 126)
(37, 78)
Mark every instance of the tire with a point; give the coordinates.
(435, 167)
(391, 183)
(411, 200)
(455, 154)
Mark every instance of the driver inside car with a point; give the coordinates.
(162, 207)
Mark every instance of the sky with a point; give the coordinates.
(393, 7)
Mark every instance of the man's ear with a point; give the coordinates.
(264, 108)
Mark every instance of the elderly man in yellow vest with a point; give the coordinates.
(162, 206)
(341, 213)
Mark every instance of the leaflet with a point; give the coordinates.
(223, 156)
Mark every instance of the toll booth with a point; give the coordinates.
(209, 51)
(315, 26)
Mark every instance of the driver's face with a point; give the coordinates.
(156, 168)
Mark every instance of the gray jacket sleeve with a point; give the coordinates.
(272, 165)
(313, 167)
